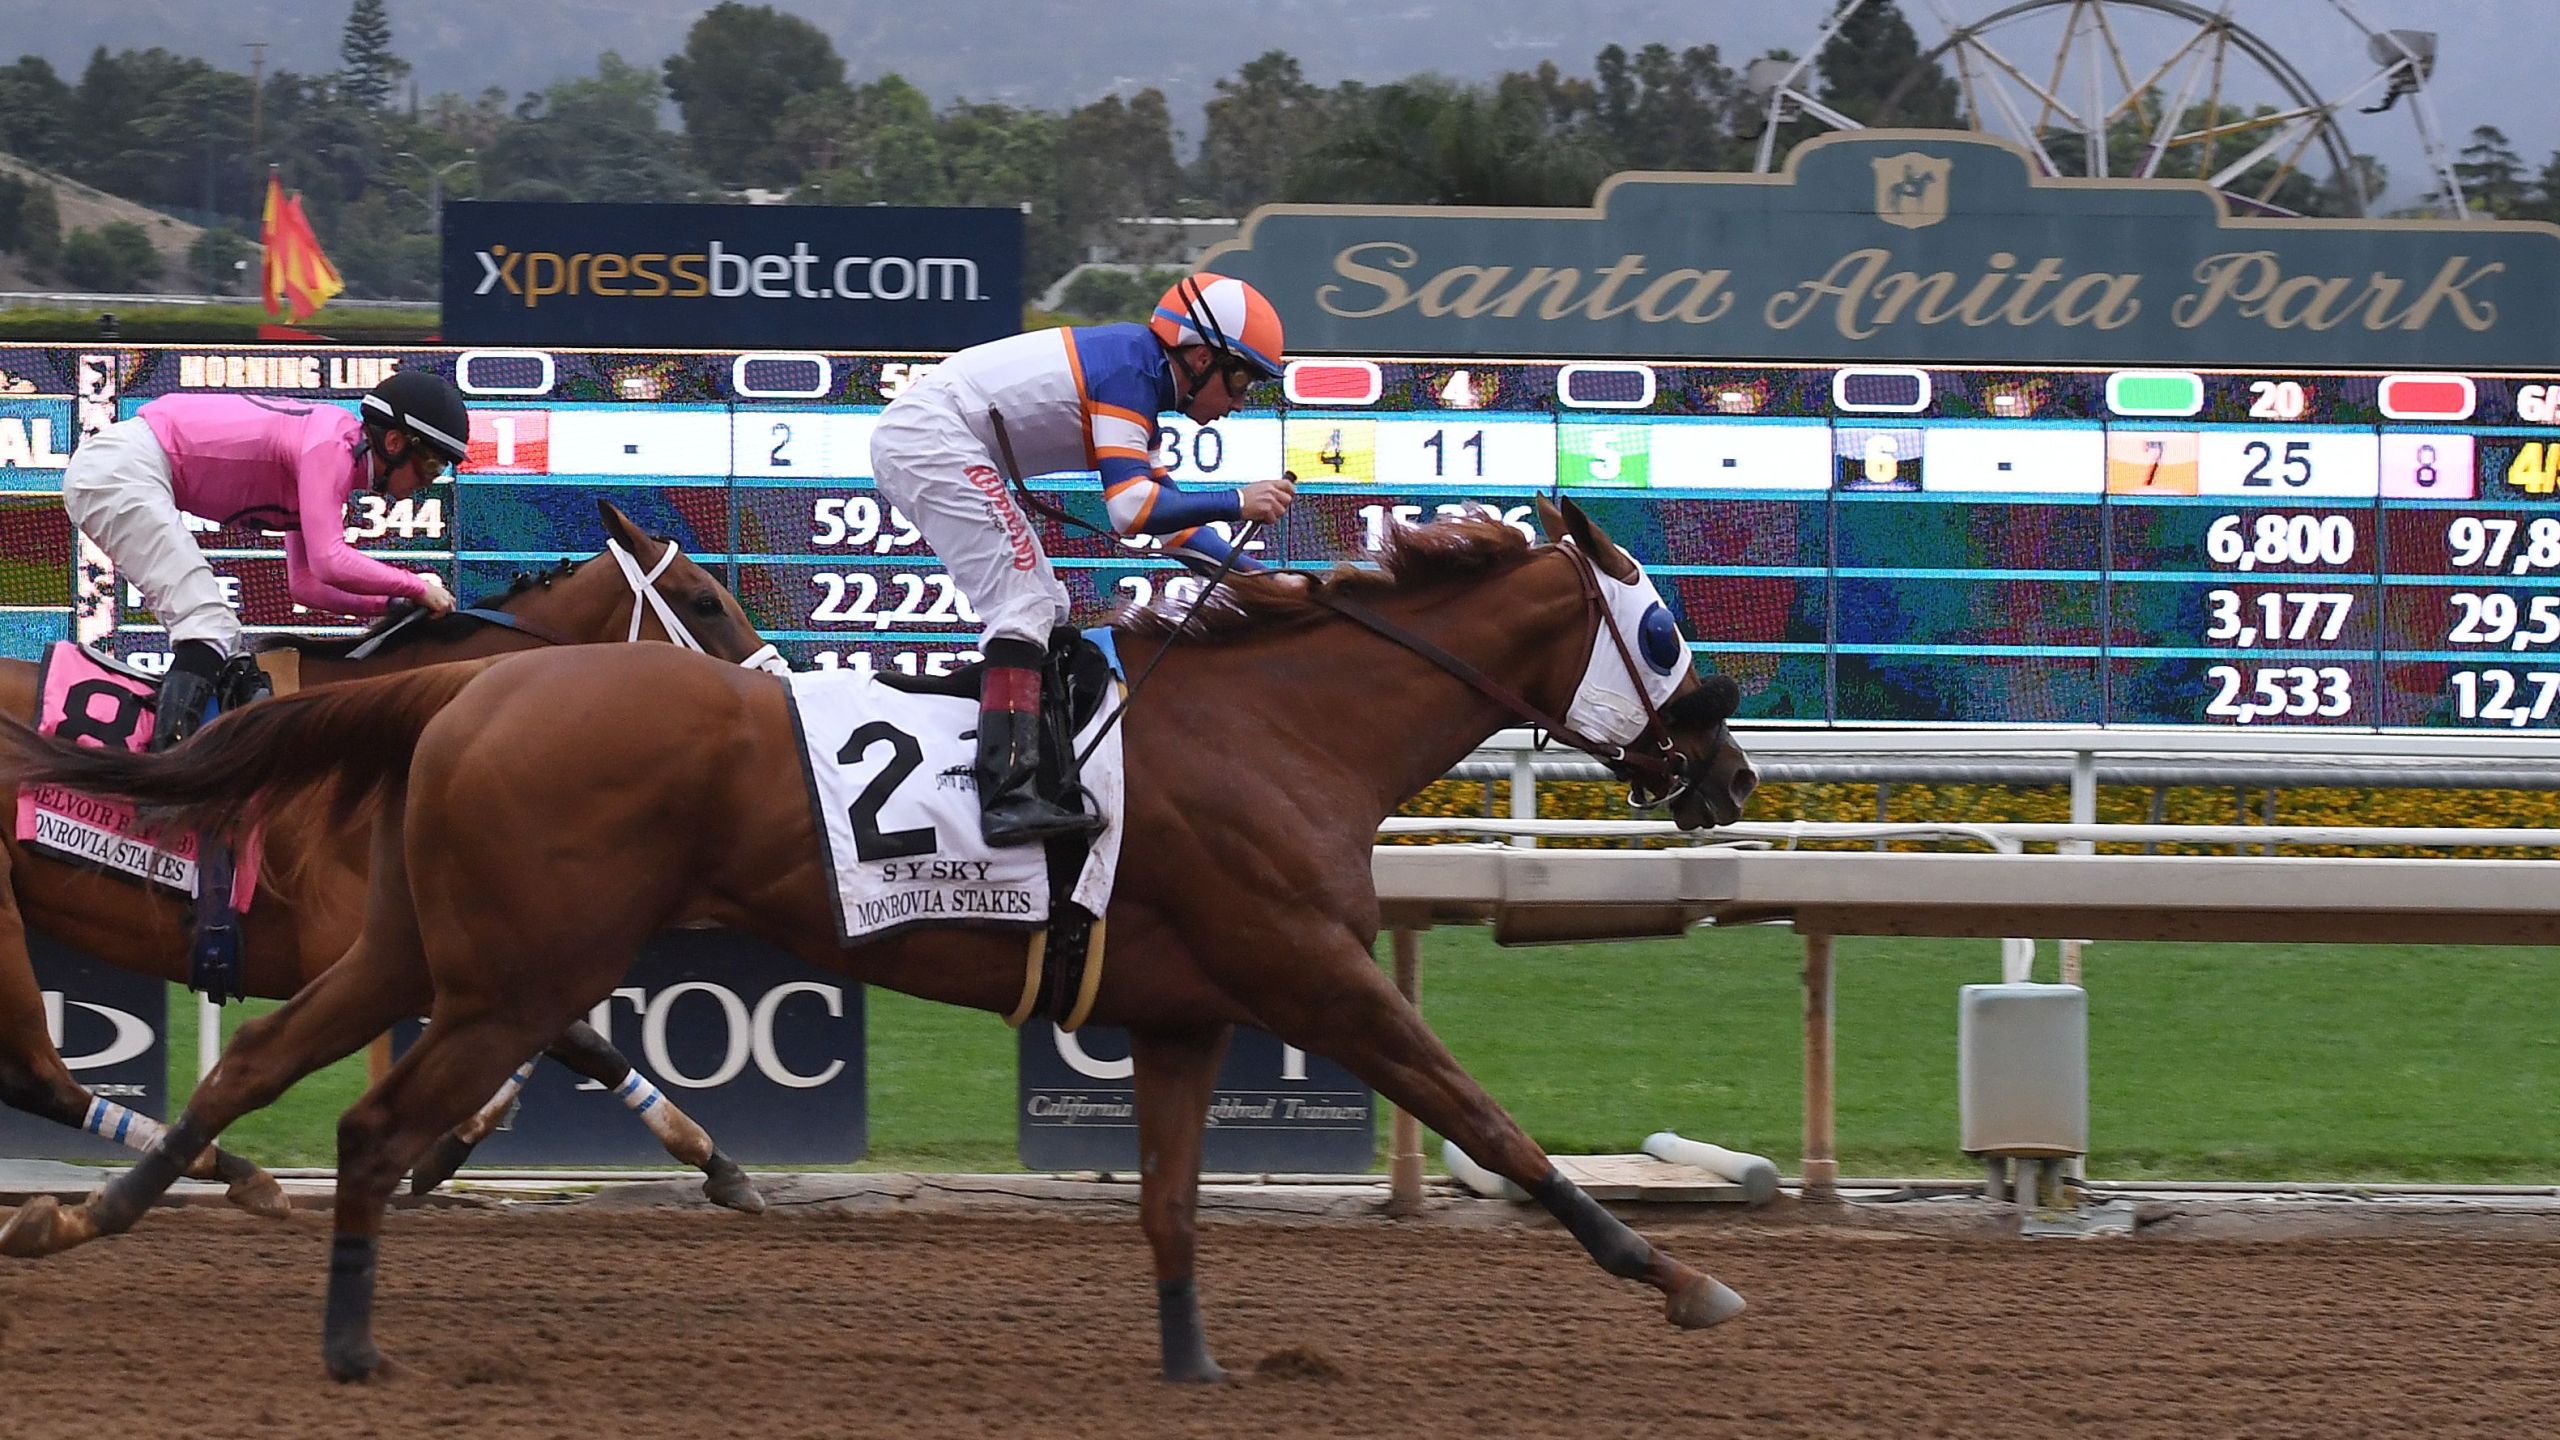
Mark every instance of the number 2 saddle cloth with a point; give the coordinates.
(888, 760)
(90, 698)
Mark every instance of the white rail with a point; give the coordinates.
(1555, 896)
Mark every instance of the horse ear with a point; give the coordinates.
(1615, 563)
(1550, 519)
(619, 526)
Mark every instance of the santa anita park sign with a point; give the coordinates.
(1911, 245)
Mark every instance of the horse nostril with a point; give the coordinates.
(1745, 780)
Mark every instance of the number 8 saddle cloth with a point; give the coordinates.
(94, 699)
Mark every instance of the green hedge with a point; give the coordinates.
(145, 324)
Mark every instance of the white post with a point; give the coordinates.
(1524, 792)
(208, 1036)
(2084, 811)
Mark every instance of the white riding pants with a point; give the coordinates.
(927, 464)
(118, 490)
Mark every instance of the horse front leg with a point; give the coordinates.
(1176, 1072)
(34, 1079)
(1343, 1006)
(436, 1085)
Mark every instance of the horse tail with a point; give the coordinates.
(356, 736)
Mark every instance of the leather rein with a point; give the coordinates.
(1653, 768)
(644, 599)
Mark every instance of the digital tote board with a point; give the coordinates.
(1856, 545)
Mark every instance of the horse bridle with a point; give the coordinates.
(644, 599)
(1655, 772)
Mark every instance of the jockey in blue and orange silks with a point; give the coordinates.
(1085, 398)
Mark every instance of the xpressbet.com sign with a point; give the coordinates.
(784, 277)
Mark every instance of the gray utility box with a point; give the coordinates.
(2023, 1069)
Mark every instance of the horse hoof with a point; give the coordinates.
(733, 1190)
(42, 1227)
(1702, 1302)
(353, 1364)
(260, 1195)
(439, 1164)
(1203, 1372)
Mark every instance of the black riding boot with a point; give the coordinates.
(184, 693)
(1011, 810)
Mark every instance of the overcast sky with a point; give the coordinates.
(2500, 59)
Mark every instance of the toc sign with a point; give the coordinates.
(766, 1054)
(111, 1027)
(806, 277)
(1276, 1109)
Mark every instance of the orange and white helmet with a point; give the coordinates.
(1228, 316)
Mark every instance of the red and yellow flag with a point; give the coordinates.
(299, 278)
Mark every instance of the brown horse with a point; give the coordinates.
(519, 863)
(312, 904)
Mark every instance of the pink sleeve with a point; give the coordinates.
(312, 592)
(323, 570)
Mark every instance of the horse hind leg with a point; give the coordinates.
(382, 979)
(34, 1079)
(436, 1085)
(587, 1052)
(582, 1049)
(1380, 1037)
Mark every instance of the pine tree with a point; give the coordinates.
(373, 73)
(1867, 61)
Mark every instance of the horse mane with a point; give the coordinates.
(1414, 556)
(441, 627)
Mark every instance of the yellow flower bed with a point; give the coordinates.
(1985, 804)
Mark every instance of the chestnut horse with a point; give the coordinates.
(536, 826)
(311, 903)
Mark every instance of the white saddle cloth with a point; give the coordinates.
(889, 772)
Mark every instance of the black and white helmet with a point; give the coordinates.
(427, 406)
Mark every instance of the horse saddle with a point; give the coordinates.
(83, 694)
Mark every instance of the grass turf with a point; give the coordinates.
(2206, 1062)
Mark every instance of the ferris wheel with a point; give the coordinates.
(2150, 88)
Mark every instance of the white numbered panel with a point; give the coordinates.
(1231, 453)
(2430, 467)
(2042, 461)
(1741, 455)
(1458, 448)
(801, 444)
(652, 442)
(2280, 465)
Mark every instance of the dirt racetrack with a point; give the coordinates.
(569, 1321)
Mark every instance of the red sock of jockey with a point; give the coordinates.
(1011, 810)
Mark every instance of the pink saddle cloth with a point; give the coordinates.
(89, 699)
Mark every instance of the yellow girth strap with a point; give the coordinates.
(1035, 963)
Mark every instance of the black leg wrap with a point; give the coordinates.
(348, 1340)
(1620, 1251)
(1185, 1348)
(129, 1194)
